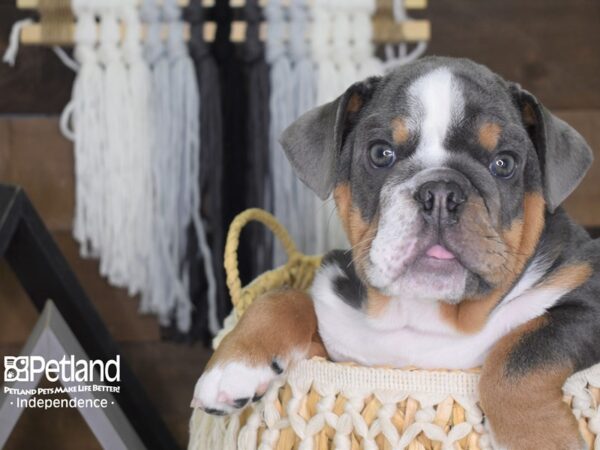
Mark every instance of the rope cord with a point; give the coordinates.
(399, 55)
(12, 50)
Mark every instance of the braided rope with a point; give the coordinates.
(298, 272)
(322, 405)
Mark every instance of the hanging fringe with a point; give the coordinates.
(282, 114)
(116, 233)
(86, 113)
(167, 288)
(185, 141)
(329, 234)
(303, 98)
(363, 50)
(139, 154)
(257, 248)
(209, 181)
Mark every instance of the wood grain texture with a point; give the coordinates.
(37, 157)
(549, 46)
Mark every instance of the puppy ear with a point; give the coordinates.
(313, 143)
(564, 154)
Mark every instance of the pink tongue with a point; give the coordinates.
(439, 252)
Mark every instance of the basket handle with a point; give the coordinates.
(233, 241)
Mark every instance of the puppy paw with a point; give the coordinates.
(230, 386)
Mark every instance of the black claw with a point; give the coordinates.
(241, 402)
(215, 412)
(257, 397)
(276, 367)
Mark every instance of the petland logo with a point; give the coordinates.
(27, 368)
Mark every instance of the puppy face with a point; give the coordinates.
(439, 174)
(442, 174)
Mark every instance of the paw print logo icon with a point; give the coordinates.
(15, 368)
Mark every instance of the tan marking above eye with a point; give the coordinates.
(399, 131)
(489, 135)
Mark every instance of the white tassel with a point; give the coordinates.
(116, 243)
(328, 231)
(342, 44)
(281, 107)
(87, 108)
(363, 50)
(165, 283)
(303, 98)
(139, 154)
(322, 51)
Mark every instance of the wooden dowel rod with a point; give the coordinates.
(382, 4)
(386, 31)
(408, 4)
(32, 34)
(391, 32)
(34, 4)
(388, 5)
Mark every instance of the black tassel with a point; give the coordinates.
(211, 182)
(258, 240)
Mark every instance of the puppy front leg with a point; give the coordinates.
(521, 383)
(277, 329)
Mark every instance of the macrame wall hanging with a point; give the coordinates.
(134, 120)
(153, 207)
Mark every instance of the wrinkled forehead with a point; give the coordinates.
(432, 102)
(465, 86)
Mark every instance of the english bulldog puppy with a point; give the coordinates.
(448, 181)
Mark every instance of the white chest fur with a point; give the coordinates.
(412, 332)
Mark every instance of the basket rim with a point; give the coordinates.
(354, 377)
(340, 377)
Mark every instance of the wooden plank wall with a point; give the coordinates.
(549, 46)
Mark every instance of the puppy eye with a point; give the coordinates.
(503, 165)
(382, 155)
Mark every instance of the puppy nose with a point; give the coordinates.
(441, 199)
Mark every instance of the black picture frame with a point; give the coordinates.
(28, 247)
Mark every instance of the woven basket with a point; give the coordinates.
(324, 405)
